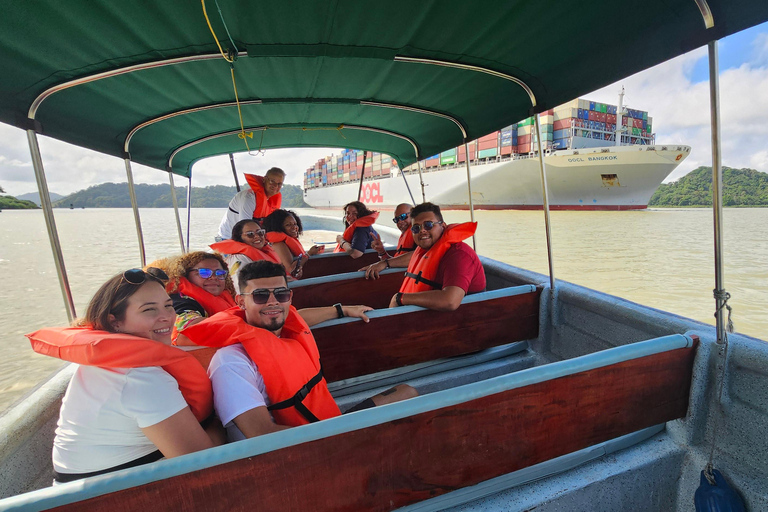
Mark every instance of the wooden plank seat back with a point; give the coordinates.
(348, 288)
(409, 335)
(392, 456)
(337, 263)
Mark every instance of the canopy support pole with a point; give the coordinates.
(717, 190)
(421, 179)
(176, 210)
(189, 208)
(545, 205)
(234, 171)
(135, 206)
(362, 175)
(50, 224)
(407, 187)
(469, 191)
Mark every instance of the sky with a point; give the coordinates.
(675, 93)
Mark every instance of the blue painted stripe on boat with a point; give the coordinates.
(104, 484)
(469, 299)
(532, 473)
(338, 277)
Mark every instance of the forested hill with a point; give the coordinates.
(741, 187)
(115, 195)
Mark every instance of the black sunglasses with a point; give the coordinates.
(415, 229)
(261, 295)
(206, 273)
(400, 217)
(139, 276)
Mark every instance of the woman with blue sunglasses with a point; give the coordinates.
(200, 286)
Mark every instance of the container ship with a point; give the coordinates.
(597, 157)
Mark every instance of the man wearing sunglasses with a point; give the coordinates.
(442, 270)
(405, 244)
(267, 377)
(261, 198)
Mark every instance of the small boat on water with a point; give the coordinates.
(536, 394)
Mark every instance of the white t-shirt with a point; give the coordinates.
(238, 386)
(241, 207)
(103, 412)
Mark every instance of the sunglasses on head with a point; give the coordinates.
(254, 234)
(261, 295)
(139, 276)
(400, 217)
(206, 273)
(427, 226)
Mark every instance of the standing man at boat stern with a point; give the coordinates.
(267, 377)
(442, 269)
(261, 198)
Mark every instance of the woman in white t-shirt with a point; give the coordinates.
(134, 398)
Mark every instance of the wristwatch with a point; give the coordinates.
(339, 310)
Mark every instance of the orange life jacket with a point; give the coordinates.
(85, 345)
(290, 364)
(423, 266)
(362, 222)
(406, 243)
(264, 205)
(212, 304)
(231, 247)
(293, 244)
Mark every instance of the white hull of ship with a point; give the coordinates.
(577, 180)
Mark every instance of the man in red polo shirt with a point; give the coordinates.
(442, 270)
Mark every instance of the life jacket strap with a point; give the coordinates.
(421, 279)
(297, 399)
(405, 249)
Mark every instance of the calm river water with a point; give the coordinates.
(662, 258)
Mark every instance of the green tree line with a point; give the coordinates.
(11, 203)
(115, 195)
(741, 187)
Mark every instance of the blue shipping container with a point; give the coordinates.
(562, 134)
(592, 105)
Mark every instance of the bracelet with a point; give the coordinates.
(339, 310)
(386, 262)
(399, 299)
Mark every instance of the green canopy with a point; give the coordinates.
(323, 72)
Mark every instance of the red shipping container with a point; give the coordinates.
(638, 123)
(506, 150)
(624, 121)
(490, 137)
(593, 115)
(433, 162)
(611, 118)
(490, 144)
(602, 117)
(563, 124)
(523, 139)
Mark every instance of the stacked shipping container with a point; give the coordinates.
(578, 123)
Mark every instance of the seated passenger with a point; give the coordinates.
(134, 398)
(269, 355)
(359, 233)
(200, 286)
(442, 270)
(248, 244)
(406, 243)
(283, 230)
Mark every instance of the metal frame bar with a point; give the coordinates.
(135, 207)
(545, 204)
(50, 224)
(407, 187)
(362, 175)
(395, 106)
(717, 189)
(189, 207)
(176, 210)
(257, 128)
(469, 67)
(469, 191)
(421, 181)
(234, 171)
(117, 72)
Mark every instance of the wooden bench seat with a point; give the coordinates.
(348, 288)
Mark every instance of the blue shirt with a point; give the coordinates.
(361, 240)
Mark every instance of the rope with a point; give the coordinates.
(720, 295)
(231, 58)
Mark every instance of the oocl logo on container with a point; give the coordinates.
(371, 193)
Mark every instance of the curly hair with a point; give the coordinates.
(273, 223)
(362, 210)
(179, 267)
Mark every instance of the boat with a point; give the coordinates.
(592, 163)
(537, 394)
